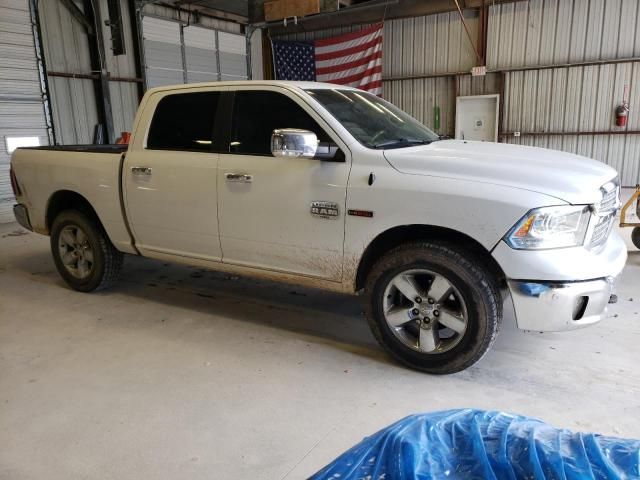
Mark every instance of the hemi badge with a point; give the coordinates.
(361, 213)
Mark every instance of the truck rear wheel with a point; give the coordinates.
(82, 252)
(433, 307)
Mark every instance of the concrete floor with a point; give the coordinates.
(184, 373)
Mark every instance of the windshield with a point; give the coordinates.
(374, 122)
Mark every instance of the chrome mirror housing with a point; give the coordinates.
(293, 142)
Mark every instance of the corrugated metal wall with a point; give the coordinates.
(22, 111)
(73, 100)
(66, 49)
(576, 99)
(570, 99)
(525, 35)
(545, 32)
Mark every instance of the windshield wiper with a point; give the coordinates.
(402, 142)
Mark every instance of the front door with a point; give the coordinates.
(171, 178)
(280, 213)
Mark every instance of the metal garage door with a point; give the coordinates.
(162, 52)
(175, 53)
(22, 116)
(233, 56)
(200, 54)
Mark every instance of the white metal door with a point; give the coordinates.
(22, 117)
(172, 206)
(170, 176)
(477, 118)
(267, 222)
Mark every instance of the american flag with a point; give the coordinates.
(353, 59)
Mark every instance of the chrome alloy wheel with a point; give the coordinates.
(425, 311)
(75, 251)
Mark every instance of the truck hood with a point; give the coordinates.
(568, 177)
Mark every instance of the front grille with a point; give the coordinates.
(602, 230)
(605, 213)
(610, 199)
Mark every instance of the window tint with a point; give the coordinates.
(184, 121)
(256, 114)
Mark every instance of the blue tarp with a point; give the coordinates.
(477, 444)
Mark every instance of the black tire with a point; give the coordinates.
(635, 237)
(106, 262)
(474, 283)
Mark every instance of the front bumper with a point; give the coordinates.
(564, 289)
(22, 216)
(556, 307)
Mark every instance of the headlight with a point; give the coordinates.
(550, 227)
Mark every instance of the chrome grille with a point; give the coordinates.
(605, 213)
(601, 230)
(610, 199)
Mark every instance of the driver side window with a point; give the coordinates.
(257, 113)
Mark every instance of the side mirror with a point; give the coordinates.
(293, 142)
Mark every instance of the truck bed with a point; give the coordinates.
(110, 148)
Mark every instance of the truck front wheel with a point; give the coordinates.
(433, 307)
(635, 237)
(82, 252)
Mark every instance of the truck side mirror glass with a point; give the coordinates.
(293, 142)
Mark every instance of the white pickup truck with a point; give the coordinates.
(334, 188)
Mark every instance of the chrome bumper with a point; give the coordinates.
(22, 216)
(555, 307)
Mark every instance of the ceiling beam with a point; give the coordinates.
(366, 14)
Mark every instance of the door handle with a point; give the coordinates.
(141, 170)
(238, 177)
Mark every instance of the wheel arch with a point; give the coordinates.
(68, 200)
(396, 236)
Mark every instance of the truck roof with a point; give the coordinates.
(236, 83)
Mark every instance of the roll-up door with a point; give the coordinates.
(22, 117)
(200, 54)
(175, 53)
(233, 56)
(162, 52)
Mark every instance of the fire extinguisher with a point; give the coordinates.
(622, 113)
(622, 110)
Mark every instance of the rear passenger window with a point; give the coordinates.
(184, 121)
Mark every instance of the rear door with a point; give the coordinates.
(266, 214)
(170, 176)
